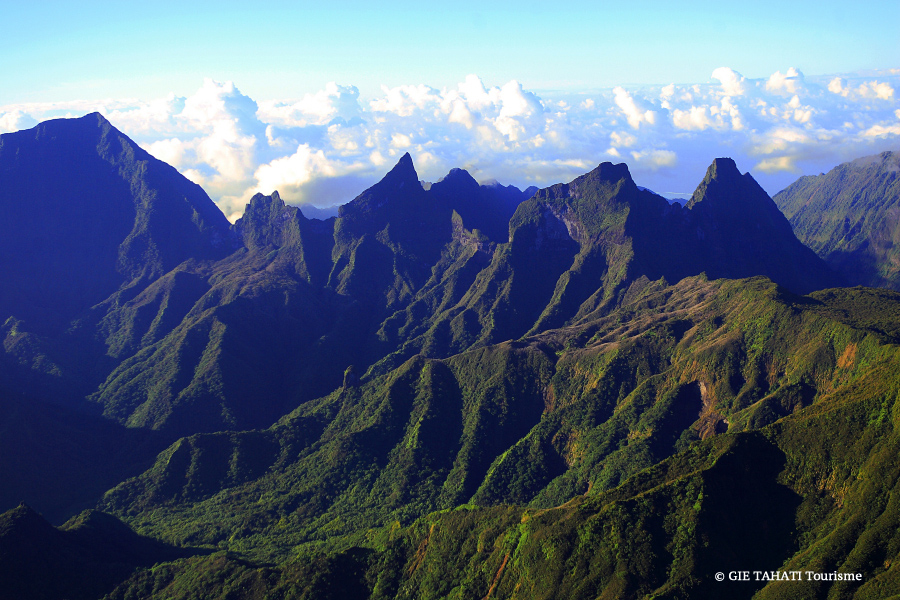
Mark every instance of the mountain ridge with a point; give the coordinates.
(449, 390)
(401, 270)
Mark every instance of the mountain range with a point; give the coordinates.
(448, 390)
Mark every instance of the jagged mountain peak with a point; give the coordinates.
(92, 120)
(92, 133)
(71, 147)
(94, 116)
(724, 185)
(605, 181)
(273, 197)
(268, 221)
(456, 179)
(82, 133)
(607, 171)
(263, 203)
(403, 173)
(461, 174)
(726, 193)
(399, 185)
(454, 185)
(741, 232)
(606, 175)
(721, 172)
(722, 167)
(888, 161)
(567, 321)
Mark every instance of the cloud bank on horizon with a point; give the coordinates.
(326, 147)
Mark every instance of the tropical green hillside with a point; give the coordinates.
(703, 427)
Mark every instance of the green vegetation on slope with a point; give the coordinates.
(851, 217)
(588, 460)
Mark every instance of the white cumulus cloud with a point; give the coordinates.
(15, 120)
(788, 83)
(334, 102)
(328, 146)
(731, 81)
(776, 164)
(655, 159)
(634, 114)
(696, 118)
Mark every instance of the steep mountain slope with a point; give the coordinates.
(228, 344)
(537, 421)
(88, 215)
(193, 344)
(85, 211)
(610, 437)
(851, 217)
(742, 233)
(126, 285)
(281, 319)
(408, 275)
(575, 249)
(487, 208)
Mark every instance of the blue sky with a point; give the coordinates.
(71, 50)
(290, 69)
